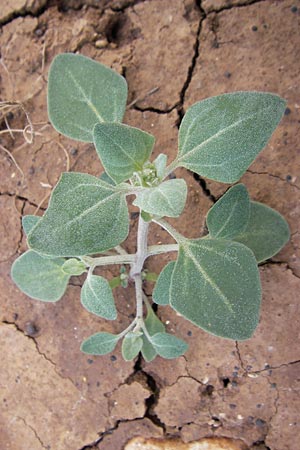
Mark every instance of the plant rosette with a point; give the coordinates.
(214, 282)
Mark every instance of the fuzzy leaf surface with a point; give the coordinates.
(216, 285)
(267, 232)
(99, 344)
(153, 325)
(97, 297)
(161, 291)
(40, 278)
(166, 199)
(28, 222)
(221, 136)
(230, 215)
(131, 346)
(122, 149)
(168, 346)
(73, 267)
(85, 216)
(81, 93)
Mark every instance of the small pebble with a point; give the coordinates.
(287, 111)
(74, 151)
(113, 358)
(254, 28)
(31, 329)
(294, 9)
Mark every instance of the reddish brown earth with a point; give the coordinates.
(53, 396)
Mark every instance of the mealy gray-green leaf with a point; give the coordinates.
(99, 344)
(267, 232)
(168, 346)
(85, 216)
(221, 136)
(83, 92)
(74, 267)
(230, 215)
(166, 199)
(216, 285)
(153, 326)
(122, 149)
(40, 278)
(106, 178)
(161, 291)
(97, 297)
(28, 222)
(131, 346)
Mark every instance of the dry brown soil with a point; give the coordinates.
(172, 53)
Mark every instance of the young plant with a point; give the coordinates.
(214, 281)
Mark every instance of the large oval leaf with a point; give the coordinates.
(83, 92)
(85, 216)
(122, 149)
(216, 285)
(221, 136)
(97, 297)
(167, 199)
(40, 278)
(230, 215)
(267, 232)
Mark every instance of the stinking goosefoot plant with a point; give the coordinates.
(214, 282)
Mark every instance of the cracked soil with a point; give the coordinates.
(221, 394)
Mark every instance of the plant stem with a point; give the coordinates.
(137, 267)
(163, 248)
(106, 260)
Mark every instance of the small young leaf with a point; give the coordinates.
(97, 297)
(168, 346)
(74, 267)
(267, 232)
(81, 93)
(99, 344)
(167, 199)
(160, 164)
(28, 222)
(131, 346)
(40, 278)
(122, 149)
(153, 325)
(221, 136)
(230, 215)
(85, 216)
(161, 291)
(216, 285)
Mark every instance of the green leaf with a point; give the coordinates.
(99, 344)
(230, 215)
(74, 267)
(153, 326)
(122, 149)
(28, 222)
(168, 346)
(81, 93)
(97, 297)
(267, 232)
(40, 278)
(160, 164)
(131, 346)
(104, 177)
(161, 291)
(85, 216)
(221, 136)
(167, 199)
(216, 285)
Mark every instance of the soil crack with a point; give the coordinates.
(49, 360)
(34, 432)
